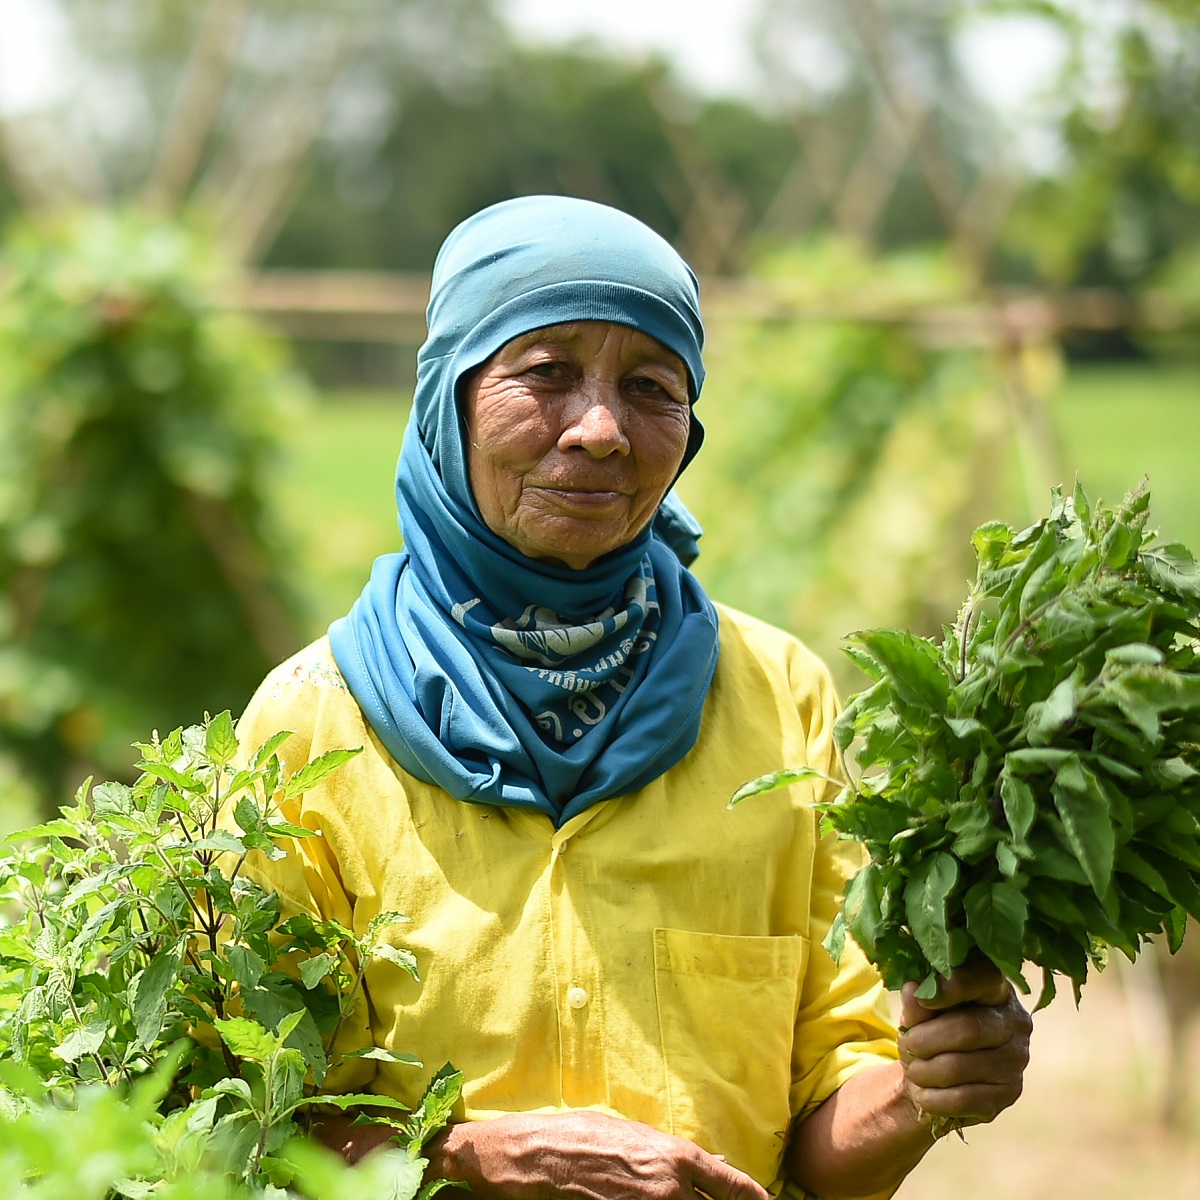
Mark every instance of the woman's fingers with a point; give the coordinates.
(712, 1176)
(965, 1051)
(974, 983)
(974, 1104)
(966, 1028)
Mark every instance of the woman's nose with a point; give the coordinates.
(594, 420)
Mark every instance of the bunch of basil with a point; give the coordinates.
(1030, 788)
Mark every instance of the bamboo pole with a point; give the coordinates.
(197, 105)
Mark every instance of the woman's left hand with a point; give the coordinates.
(964, 1052)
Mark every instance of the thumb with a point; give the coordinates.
(912, 1011)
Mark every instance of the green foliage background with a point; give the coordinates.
(142, 576)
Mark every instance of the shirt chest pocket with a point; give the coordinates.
(727, 1010)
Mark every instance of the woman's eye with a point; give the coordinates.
(548, 370)
(647, 385)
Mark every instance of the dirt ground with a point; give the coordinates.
(1087, 1126)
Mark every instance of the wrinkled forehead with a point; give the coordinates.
(549, 260)
(583, 339)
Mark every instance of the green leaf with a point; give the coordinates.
(778, 779)
(89, 885)
(316, 771)
(925, 898)
(217, 885)
(1044, 582)
(834, 940)
(436, 1105)
(1183, 886)
(222, 842)
(1048, 992)
(112, 799)
(1172, 773)
(220, 741)
(1173, 569)
(290, 1023)
(1020, 807)
(1081, 504)
(862, 908)
(248, 815)
(434, 1186)
(405, 959)
(381, 922)
(280, 829)
(345, 1100)
(270, 1005)
(151, 991)
(991, 540)
(996, 916)
(912, 666)
(1135, 654)
(86, 1040)
(1045, 719)
(966, 728)
(245, 965)
(316, 968)
(379, 1054)
(1007, 860)
(59, 827)
(1087, 820)
(247, 1039)
(928, 989)
(231, 1087)
(1119, 545)
(177, 778)
(1175, 925)
(973, 829)
(863, 661)
(270, 746)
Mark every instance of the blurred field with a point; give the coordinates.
(1119, 422)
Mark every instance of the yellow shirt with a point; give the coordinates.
(658, 957)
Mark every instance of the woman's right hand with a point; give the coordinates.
(581, 1155)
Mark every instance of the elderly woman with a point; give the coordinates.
(554, 715)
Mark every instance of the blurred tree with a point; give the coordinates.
(848, 461)
(217, 103)
(533, 120)
(872, 90)
(141, 578)
(1124, 198)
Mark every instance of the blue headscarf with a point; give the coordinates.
(500, 678)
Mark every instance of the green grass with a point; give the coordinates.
(336, 492)
(1117, 424)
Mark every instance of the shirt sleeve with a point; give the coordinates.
(307, 879)
(845, 1023)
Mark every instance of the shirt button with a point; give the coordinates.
(577, 997)
(561, 849)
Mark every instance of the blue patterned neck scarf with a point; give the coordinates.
(500, 678)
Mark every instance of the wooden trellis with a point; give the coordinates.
(251, 177)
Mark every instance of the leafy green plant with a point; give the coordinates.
(137, 959)
(139, 420)
(1030, 786)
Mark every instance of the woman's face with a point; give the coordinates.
(574, 434)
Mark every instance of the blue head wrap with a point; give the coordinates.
(500, 678)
